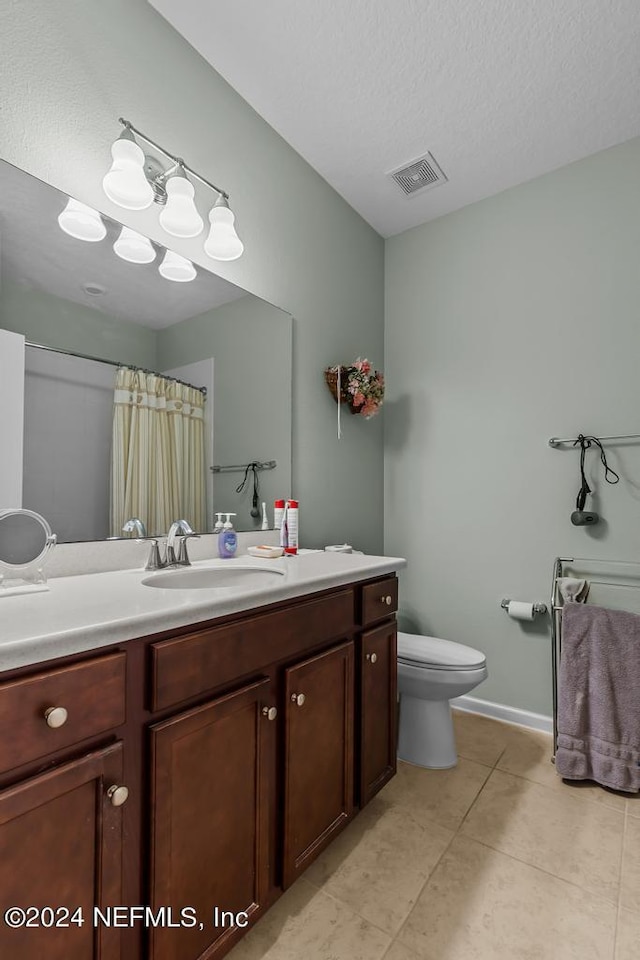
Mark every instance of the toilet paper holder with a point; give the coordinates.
(537, 607)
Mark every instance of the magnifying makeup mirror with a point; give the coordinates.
(25, 541)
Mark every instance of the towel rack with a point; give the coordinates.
(556, 617)
(556, 441)
(239, 467)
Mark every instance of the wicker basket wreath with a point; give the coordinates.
(361, 388)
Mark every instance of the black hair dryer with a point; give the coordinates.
(581, 517)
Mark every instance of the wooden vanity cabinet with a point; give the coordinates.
(248, 787)
(61, 846)
(246, 745)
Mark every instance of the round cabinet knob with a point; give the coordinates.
(373, 657)
(386, 600)
(298, 698)
(270, 712)
(118, 795)
(55, 717)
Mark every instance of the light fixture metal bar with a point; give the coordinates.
(177, 160)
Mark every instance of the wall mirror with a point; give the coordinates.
(98, 313)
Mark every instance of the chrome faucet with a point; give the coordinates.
(181, 529)
(135, 525)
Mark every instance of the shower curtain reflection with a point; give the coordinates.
(157, 455)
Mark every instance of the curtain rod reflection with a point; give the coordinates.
(112, 363)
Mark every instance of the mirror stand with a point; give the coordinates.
(25, 542)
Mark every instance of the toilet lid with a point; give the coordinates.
(438, 653)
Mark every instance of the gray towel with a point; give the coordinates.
(573, 590)
(599, 697)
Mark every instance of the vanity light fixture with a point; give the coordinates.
(223, 243)
(177, 268)
(136, 180)
(126, 182)
(134, 247)
(180, 217)
(82, 222)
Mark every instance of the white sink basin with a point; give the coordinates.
(226, 575)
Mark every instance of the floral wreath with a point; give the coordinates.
(357, 385)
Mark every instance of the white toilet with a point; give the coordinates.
(430, 673)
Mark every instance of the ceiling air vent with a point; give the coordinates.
(421, 174)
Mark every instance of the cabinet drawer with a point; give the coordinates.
(379, 600)
(189, 666)
(92, 693)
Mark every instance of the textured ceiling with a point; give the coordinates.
(37, 255)
(500, 91)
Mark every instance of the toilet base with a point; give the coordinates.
(426, 736)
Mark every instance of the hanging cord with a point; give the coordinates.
(256, 491)
(243, 482)
(585, 444)
(252, 467)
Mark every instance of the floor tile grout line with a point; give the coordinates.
(483, 763)
(529, 779)
(621, 870)
(548, 873)
(347, 906)
(615, 932)
(429, 875)
(501, 755)
(422, 888)
(587, 799)
(473, 802)
(403, 945)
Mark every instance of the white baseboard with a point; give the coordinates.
(499, 711)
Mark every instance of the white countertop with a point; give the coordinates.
(80, 613)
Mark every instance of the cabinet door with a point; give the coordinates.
(61, 846)
(211, 769)
(318, 755)
(378, 709)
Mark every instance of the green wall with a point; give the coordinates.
(507, 323)
(69, 70)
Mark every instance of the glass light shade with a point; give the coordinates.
(125, 183)
(223, 243)
(180, 217)
(134, 247)
(82, 222)
(177, 268)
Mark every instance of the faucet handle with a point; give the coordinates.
(183, 556)
(155, 561)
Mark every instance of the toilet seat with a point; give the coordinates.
(437, 654)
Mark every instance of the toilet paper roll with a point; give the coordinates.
(520, 610)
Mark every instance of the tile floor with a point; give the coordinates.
(497, 859)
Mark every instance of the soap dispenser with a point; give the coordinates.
(227, 539)
(218, 524)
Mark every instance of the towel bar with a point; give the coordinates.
(556, 623)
